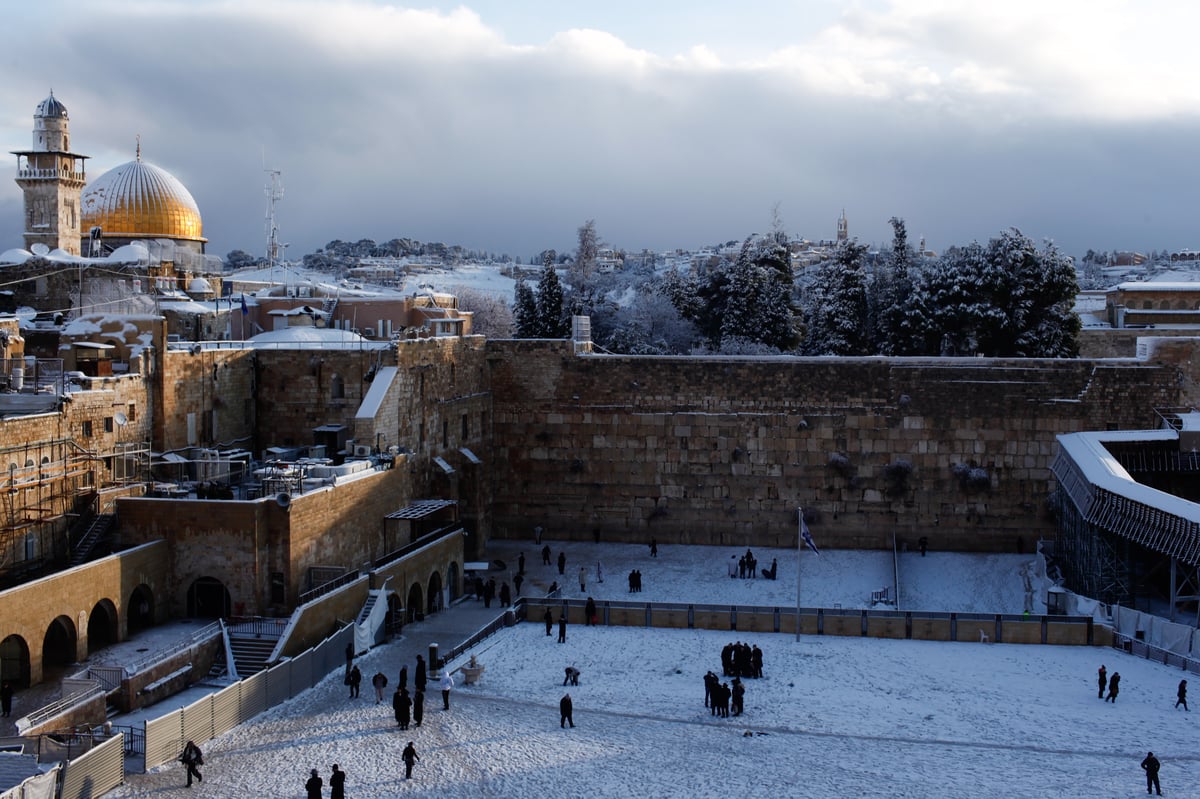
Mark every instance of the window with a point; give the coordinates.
(86, 432)
(445, 434)
(337, 388)
(132, 412)
(108, 424)
(278, 595)
(466, 429)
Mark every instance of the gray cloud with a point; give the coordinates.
(390, 123)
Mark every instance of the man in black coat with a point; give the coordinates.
(354, 680)
(1114, 687)
(313, 786)
(402, 705)
(739, 693)
(549, 620)
(562, 627)
(505, 595)
(521, 563)
(418, 712)
(589, 612)
(1181, 695)
(1151, 766)
(419, 677)
(546, 555)
(337, 783)
(1103, 681)
(562, 562)
(564, 710)
(710, 680)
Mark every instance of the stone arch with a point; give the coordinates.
(416, 606)
(140, 609)
(208, 598)
(1164, 305)
(434, 602)
(14, 661)
(59, 645)
(102, 626)
(452, 581)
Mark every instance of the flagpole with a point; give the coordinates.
(799, 550)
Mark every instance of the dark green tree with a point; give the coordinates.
(525, 312)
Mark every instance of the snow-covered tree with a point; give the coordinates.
(525, 312)
(890, 297)
(837, 307)
(584, 268)
(551, 320)
(491, 315)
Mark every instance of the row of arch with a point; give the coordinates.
(60, 641)
(207, 597)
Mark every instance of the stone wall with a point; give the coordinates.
(724, 450)
(206, 397)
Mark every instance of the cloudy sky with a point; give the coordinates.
(505, 124)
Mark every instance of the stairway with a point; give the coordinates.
(96, 535)
(251, 650)
(372, 598)
(329, 306)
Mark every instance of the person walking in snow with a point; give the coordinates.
(654, 547)
(517, 584)
(549, 620)
(402, 704)
(418, 708)
(354, 680)
(379, 682)
(589, 612)
(1114, 687)
(403, 678)
(337, 783)
(546, 555)
(582, 579)
(1182, 695)
(564, 711)
(446, 684)
(410, 758)
(1103, 681)
(562, 562)
(313, 786)
(419, 677)
(1151, 766)
(599, 572)
(192, 758)
(505, 595)
(562, 627)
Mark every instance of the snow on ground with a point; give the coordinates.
(832, 716)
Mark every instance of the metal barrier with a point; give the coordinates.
(204, 719)
(109, 677)
(95, 773)
(1133, 646)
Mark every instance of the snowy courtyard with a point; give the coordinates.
(831, 716)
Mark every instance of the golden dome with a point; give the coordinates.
(140, 201)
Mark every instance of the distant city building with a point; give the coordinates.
(843, 227)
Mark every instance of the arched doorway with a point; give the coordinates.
(207, 598)
(416, 608)
(140, 609)
(395, 617)
(14, 661)
(102, 626)
(58, 647)
(434, 603)
(453, 582)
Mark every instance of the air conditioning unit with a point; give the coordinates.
(362, 449)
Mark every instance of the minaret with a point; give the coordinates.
(52, 179)
(843, 233)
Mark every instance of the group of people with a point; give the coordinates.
(635, 581)
(746, 566)
(337, 784)
(741, 660)
(487, 590)
(1150, 764)
(720, 696)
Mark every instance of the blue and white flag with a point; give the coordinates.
(807, 536)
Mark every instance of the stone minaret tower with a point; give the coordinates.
(843, 232)
(52, 179)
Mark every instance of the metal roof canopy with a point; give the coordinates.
(421, 508)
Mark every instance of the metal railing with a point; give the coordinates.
(423, 541)
(69, 701)
(261, 626)
(109, 677)
(328, 587)
(1134, 646)
(153, 659)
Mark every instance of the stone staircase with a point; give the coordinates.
(372, 598)
(252, 643)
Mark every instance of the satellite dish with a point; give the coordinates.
(121, 419)
(39, 249)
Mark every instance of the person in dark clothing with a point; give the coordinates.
(418, 708)
(379, 682)
(355, 679)
(403, 683)
(405, 708)
(774, 570)
(193, 758)
(1103, 681)
(419, 676)
(489, 593)
(549, 620)
(739, 694)
(756, 661)
(505, 595)
(410, 757)
(654, 547)
(6, 696)
(562, 628)
(553, 590)
(546, 555)
(589, 612)
(479, 588)
(723, 707)
(710, 680)
(562, 562)
(632, 580)
(517, 584)
(521, 563)
(398, 699)
(571, 676)
(1151, 765)
(1182, 695)
(637, 580)
(564, 710)
(313, 786)
(1114, 687)
(337, 783)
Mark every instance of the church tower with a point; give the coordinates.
(52, 180)
(843, 230)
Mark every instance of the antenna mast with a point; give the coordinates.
(274, 193)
